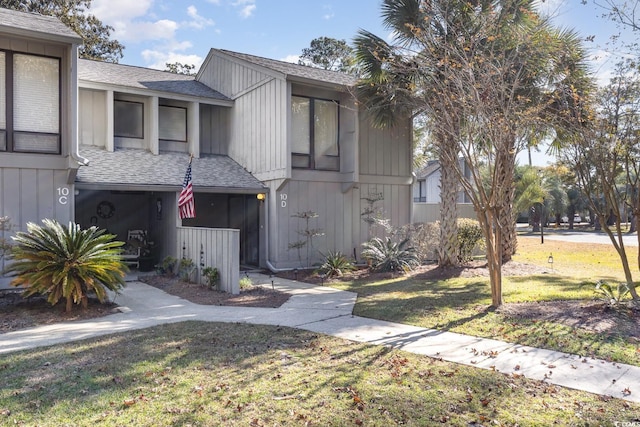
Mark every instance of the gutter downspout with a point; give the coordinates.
(73, 89)
(276, 270)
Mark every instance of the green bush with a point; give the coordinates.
(186, 268)
(387, 255)
(424, 237)
(335, 264)
(246, 283)
(212, 275)
(469, 237)
(66, 262)
(612, 295)
(167, 267)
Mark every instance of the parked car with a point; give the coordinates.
(577, 219)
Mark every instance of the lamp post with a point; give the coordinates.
(542, 222)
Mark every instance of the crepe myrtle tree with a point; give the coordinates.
(492, 76)
(606, 159)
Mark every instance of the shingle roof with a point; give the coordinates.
(47, 26)
(144, 78)
(431, 167)
(296, 70)
(139, 167)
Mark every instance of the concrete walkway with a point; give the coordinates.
(329, 311)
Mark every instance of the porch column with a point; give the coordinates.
(154, 126)
(193, 128)
(109, 143)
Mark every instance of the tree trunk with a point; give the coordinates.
(448, 250)
(493, 239)
(505, 218)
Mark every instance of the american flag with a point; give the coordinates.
(186, 205)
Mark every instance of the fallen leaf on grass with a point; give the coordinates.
(129, 402)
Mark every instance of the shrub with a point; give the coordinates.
(186, 268)
(610, 294)
(67, 263)
(246, 283)
(387, 255)
(167, 267)
(335, 264)
(212, 275)
(424, 238)
(469, 237)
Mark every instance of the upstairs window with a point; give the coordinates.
(314, 134)
(29, 103)
(172, 123)
(128, 121)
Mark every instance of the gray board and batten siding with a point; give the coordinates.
(35, 185)
(372, 160)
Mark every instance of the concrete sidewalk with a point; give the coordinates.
(329, 311)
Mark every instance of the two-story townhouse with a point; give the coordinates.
(301, 132)
(38, 123)
(139, 127)
(269, 140)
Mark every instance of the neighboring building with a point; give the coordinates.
(269, 140)
(38, 127)
(426, 195)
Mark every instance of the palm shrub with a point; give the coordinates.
(387, 255)
(335, 264)
(66, 262)
(612, 295)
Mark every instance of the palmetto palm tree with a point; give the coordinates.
(486, 72)
(66, 262)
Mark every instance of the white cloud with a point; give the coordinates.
(216, 2)
(119, 10)
(198, 22)
(291, 58)
(247, 7)
(329, 14)
(138, 31)
(158, 59)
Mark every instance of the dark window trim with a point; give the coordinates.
(311, 156)
(142, 125)
(9, 104)
(186, 123)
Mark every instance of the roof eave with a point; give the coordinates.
(88, 84)
(27, 33)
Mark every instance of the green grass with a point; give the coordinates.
(206, 374)
(463, 304)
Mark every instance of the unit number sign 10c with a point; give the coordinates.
(63, 195)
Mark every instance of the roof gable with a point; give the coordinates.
(144, 78)
(294, 70)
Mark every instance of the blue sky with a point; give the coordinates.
(155, 32)
(159, 31)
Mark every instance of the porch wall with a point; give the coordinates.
(212, 247)
(430, 212)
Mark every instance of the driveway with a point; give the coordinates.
(577, 236)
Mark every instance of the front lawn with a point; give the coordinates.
(210, 374)
(462, 304)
